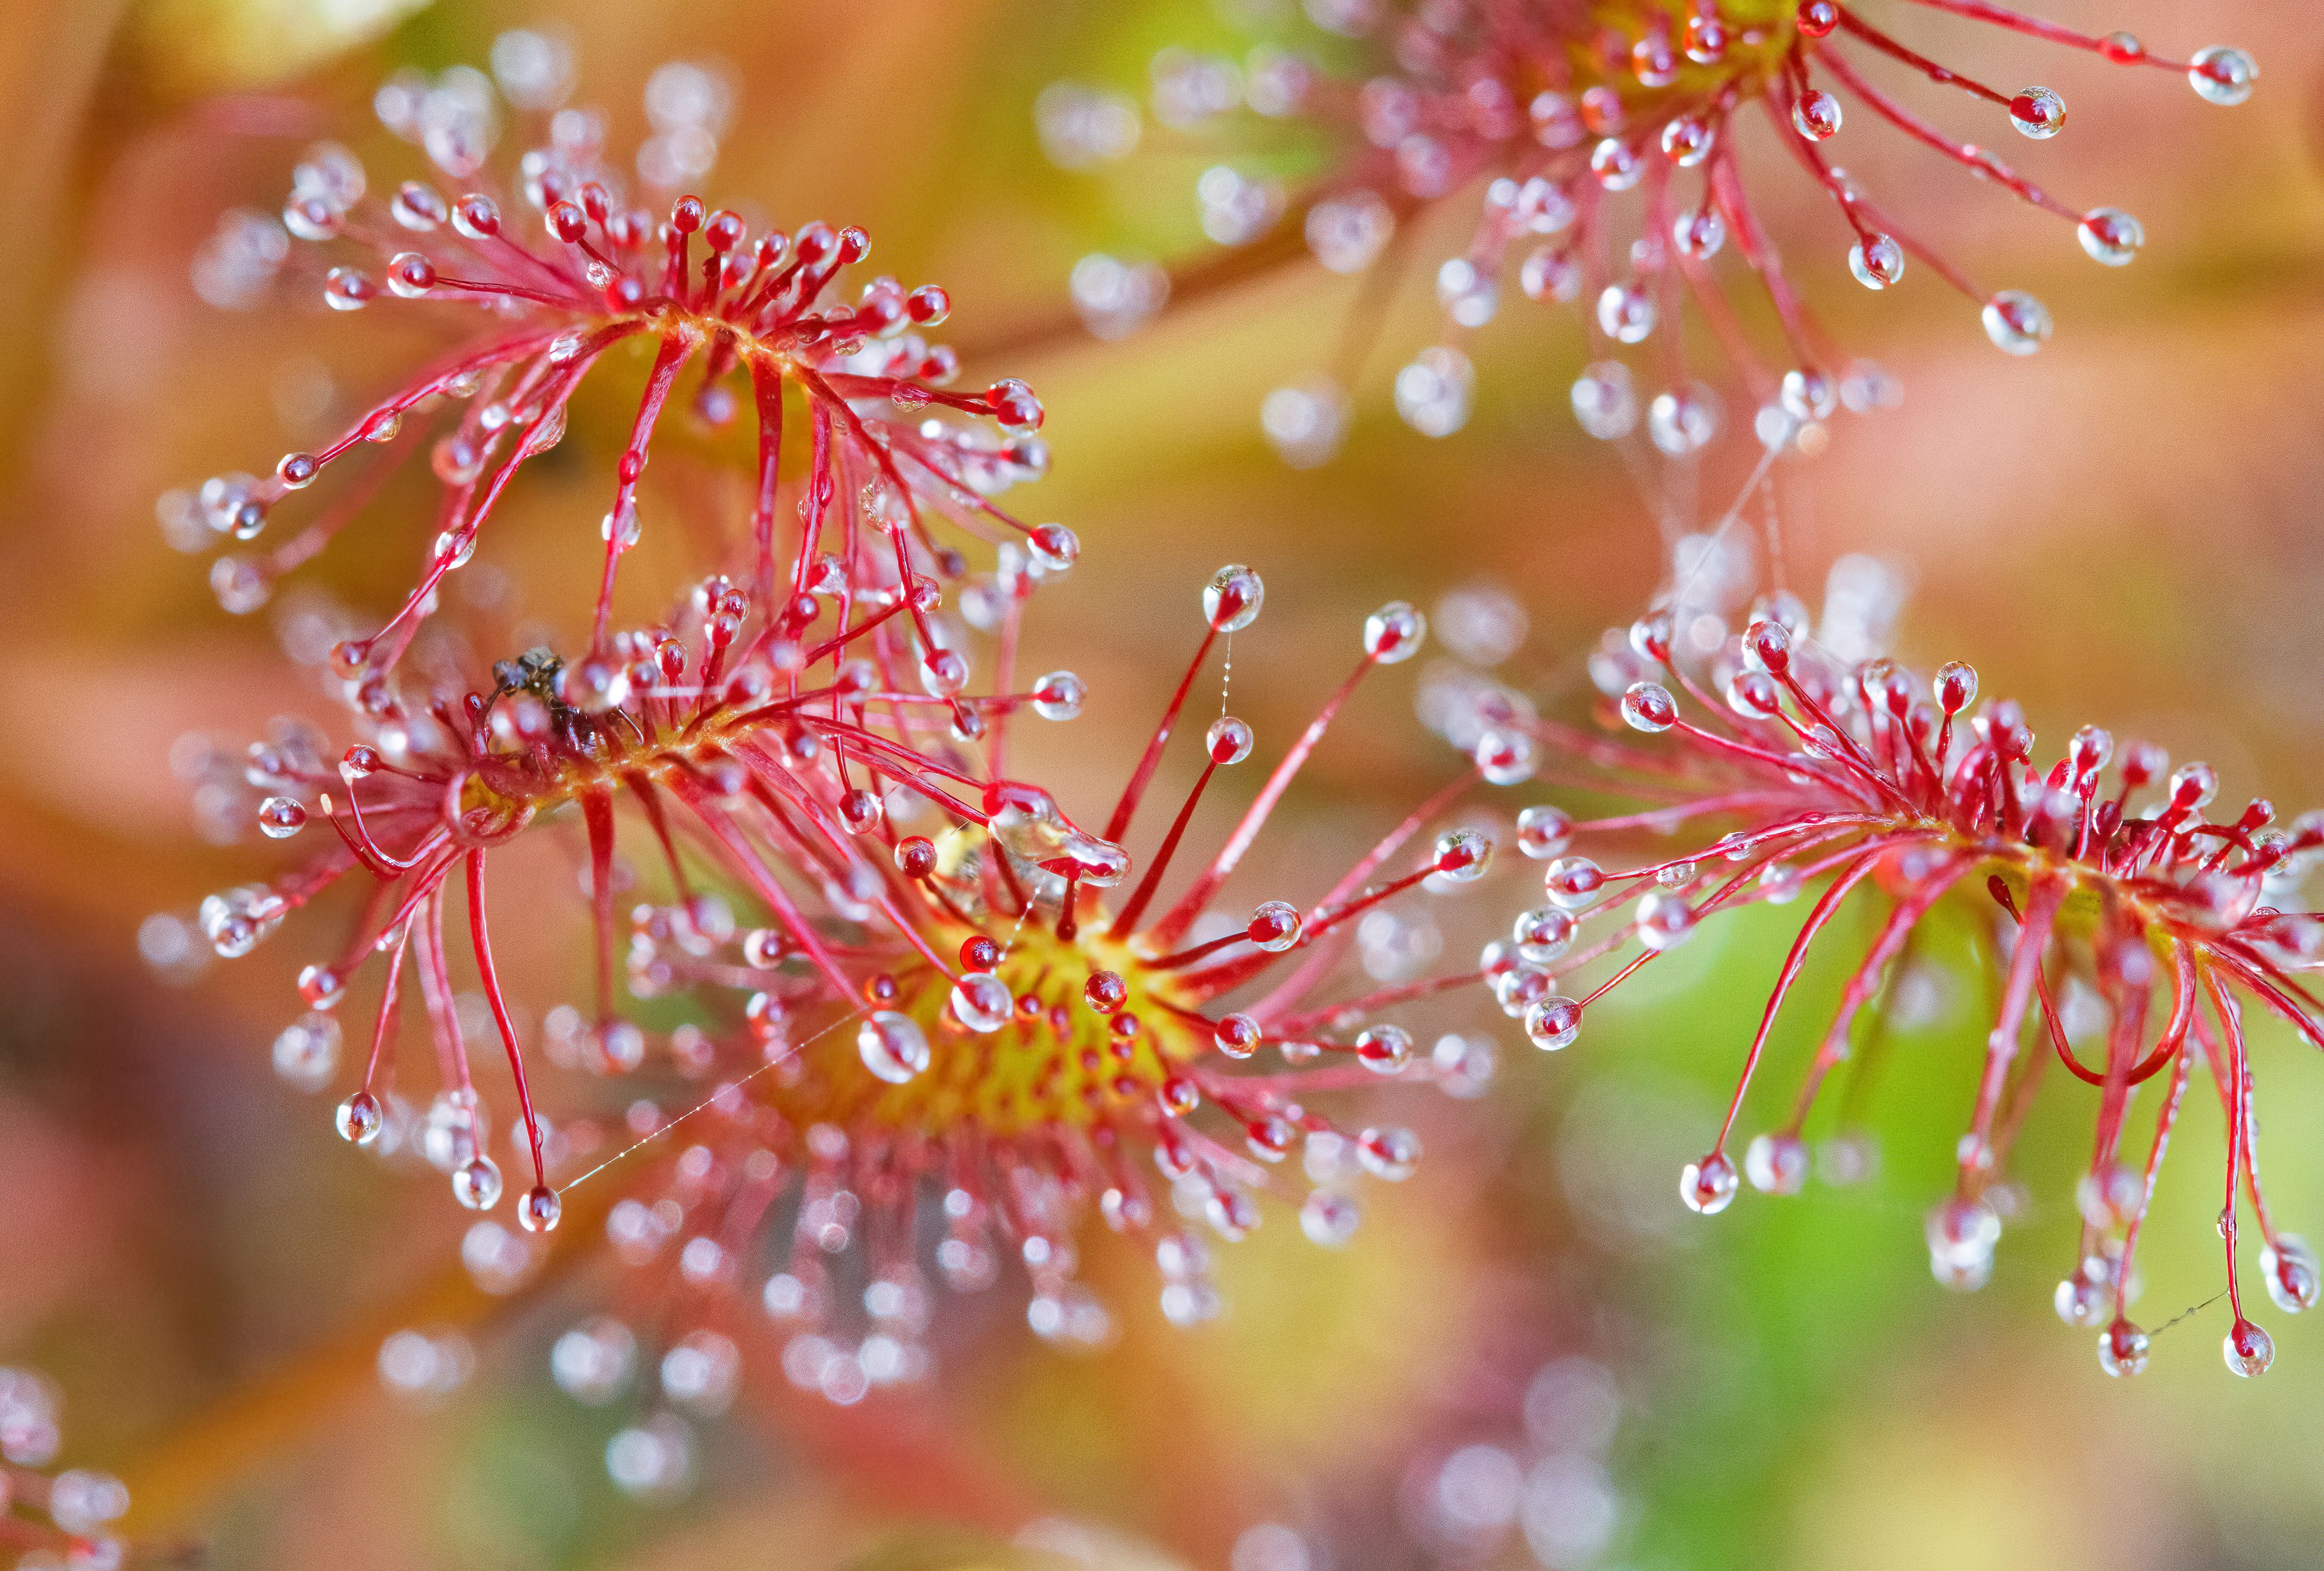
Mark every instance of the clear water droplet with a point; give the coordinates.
(2222, 75)
(1877, 260)
(2039, 113)
(2110, 235)
(1708, 1185)
(892, 1047)
(1777, 1164)
(981, 1000)
(2015, 321)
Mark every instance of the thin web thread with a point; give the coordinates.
(2187, 1313)
(1719, 535)
(731, 1085)
(789, 1054)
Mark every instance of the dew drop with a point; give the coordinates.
(943, 672)
(410, 275)
(2192, 787)
(539, 1210)
(1466, 292)
(1780, 884)
(1055, 547)
(1605, 401)
(981, 1000)
(1230, 1211)
(1664, 920)
(2038, 113)
(1777, 1164)
(1809, 394)
(928, 305)
(1961, 1233)
(1550, 273)
(2122, 1350)
(1815, 115)
(1544, 831)
(2289, 1270)
(455, 459)
(1653, 60)
(1388, 1153)
(1059, 696)
(418, 207)
(594, 685)
(307, 1052)
(1616, 164)
(1699, 233)
(860, 811)
(1012, 403)
(1956, 686)
(2247, 1349)
(312, 218)
(1231, 599)
(280, 818)
(1505, 758)
(1553, 1023)
(359, 1118)
(1877, 260)
(321, 986)
(1305, 422)
(1625, 313)
(1434, 392)
(348, 289)
(1708, 1185)
(1573, 882)
(476, 217)
(1329, 1219)
(1237, 1036)
(1463, 856)
(1384, 1049)
(2222, 75)
(1683, 422)
(1543, 934)
(1275, 925)
(2111, 236)
(2081, 1298)
(1648, 707)
(1687, 140)
(2015, 321)
(892, 1047)
(1180, 1097)
(1394, 633)
(476, 1183)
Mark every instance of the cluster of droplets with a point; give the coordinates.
(685, 701)
(1000, 1070)
(1557, 112)
(1844, 769)
(678, 948)
(894, 446)
(857, 1118)
(61, 1519)
(783, 1208)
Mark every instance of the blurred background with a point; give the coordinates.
(1531, 1354)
